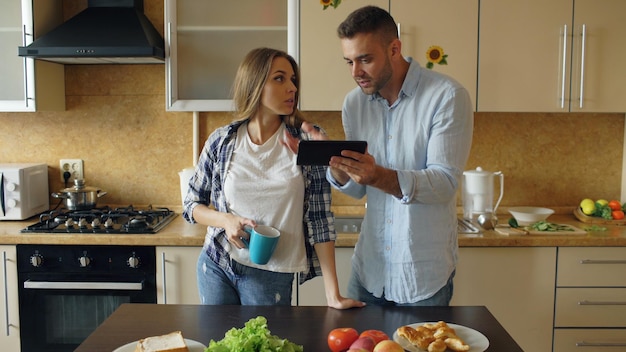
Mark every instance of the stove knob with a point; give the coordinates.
(11, 186)
(82, 223)
(36, 260)
(69, 223)
(133, 262)
(95, 223)
(84, 261)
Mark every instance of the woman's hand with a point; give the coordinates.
(345, 303)
(292, 142)
(234, 225)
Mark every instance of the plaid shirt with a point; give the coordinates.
(206, 187)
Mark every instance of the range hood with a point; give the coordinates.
(106, 32)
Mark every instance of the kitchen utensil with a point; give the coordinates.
(487, 221)
(80, 197)
(530, 215)
(478, 192)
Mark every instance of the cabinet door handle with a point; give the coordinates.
(582, 65)
(563, 64)
(399, 32)
(169, 65)
(6, 290)
(601, 303)
(24, 60)
(163, 275)
(600, 344)
(602, 261)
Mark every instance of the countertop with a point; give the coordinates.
(306, 326)
(181, 233)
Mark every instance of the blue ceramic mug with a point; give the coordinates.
(262, 243)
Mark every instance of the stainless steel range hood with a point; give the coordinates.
(106, 32)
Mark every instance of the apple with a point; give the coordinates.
(365, 343)
(388, 346)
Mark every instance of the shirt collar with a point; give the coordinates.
(409, 86)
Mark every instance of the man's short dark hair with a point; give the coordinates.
(369, 19)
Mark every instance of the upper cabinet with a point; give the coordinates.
(206, 40)
(27, 84)
(554, 56)
(451, 25)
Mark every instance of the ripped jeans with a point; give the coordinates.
(248, 286)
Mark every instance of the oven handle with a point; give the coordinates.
(68, 285)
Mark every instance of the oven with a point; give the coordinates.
(66, 291)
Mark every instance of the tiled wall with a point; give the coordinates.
(115, 120)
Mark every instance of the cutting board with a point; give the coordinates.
(596, 220)
(507, 230)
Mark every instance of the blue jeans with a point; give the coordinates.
(440, 298)
(248, 286)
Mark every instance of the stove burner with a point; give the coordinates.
(103, 220)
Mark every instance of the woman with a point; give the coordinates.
(247, 176)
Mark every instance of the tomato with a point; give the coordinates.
(340, 339)
(615, 205)
(376, 335)
(617, 215)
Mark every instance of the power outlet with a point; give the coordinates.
(74, 167)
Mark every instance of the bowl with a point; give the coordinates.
(529, 215)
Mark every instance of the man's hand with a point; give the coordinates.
(362, 168)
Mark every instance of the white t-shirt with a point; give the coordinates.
(264, 183)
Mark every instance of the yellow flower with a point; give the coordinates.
(435, 55)
(333, 3)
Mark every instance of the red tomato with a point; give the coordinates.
(376, 335)
(340, 339)
(617, 215)
(615, 205)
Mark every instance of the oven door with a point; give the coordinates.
(59, 311)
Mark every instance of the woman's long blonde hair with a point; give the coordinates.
(250, 79)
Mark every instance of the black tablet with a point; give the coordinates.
(320, 152)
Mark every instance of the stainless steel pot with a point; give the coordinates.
(80, 197)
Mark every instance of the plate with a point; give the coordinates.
(475, 339)
(194, 346)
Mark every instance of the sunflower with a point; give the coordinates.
(333, 3)
(435, 55)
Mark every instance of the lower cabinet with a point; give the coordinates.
(312, 293)
(516, 284)
(590, 310)
(176, 275)
(9, 313)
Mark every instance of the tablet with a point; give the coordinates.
(320, 152)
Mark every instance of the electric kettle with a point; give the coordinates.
(478, 192)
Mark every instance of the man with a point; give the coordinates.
(418, 125)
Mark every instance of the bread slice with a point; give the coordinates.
(172, 342)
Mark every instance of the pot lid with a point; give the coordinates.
(79, 187)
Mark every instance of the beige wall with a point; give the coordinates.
(115, 120)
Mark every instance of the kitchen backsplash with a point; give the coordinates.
(115, 120)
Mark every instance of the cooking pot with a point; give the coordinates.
(80, 197)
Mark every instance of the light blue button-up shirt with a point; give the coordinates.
(408, 247)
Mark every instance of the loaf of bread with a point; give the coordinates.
(172, 342)
(433, 337)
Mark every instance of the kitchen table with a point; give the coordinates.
(307, 326)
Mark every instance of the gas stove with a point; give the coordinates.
(105, 220)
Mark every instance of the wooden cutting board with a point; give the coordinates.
(507, 230)
(596, 220)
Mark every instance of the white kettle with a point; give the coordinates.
(478, 192)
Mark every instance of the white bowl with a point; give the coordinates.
(529, 215)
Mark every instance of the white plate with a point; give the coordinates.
(194, 346)
(475, 339)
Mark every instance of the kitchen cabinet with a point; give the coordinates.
(516, 284)
(10, 334)
(206, 40)
(176, 275)
(554, 56)
(590, 309)
(27, 84)
(452, 25)
(312, 292)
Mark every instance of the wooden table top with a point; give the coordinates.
(307, 326)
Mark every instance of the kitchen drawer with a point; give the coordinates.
(589, 340)
(590, 307)
(591, 266)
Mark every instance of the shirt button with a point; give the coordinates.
(389, 221)
(388, 248)
(390, 137)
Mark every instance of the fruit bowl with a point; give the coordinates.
(529, 215)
